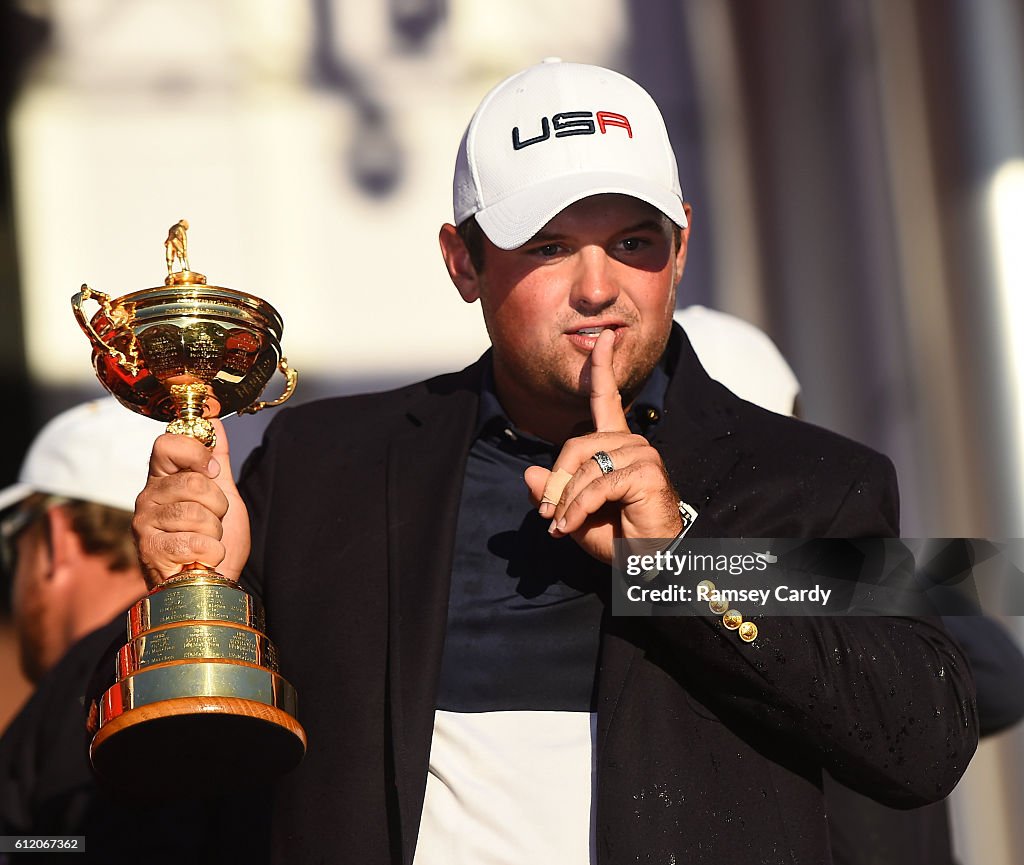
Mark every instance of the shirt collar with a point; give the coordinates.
(643, 415)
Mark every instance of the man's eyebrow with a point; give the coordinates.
(543, 236)
(646, 225)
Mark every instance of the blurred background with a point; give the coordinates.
(856, 170)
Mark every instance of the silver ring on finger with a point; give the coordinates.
(604, 462)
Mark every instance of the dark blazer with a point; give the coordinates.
(708, 749)
(863, 832)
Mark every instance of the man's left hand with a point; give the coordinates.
(631, 498)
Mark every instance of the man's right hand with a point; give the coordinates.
(190, 510)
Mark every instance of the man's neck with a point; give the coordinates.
(553, 420)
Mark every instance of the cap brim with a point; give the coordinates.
(14, 494)
(512, 221)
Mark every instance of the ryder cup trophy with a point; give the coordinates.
(197, 694)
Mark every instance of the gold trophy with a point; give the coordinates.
(197, 694)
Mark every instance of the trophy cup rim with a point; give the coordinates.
(196, 291)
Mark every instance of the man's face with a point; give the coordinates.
(608, 261)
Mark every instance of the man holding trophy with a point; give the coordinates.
(434, 561)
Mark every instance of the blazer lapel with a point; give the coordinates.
(695, 442)
(426, 465)
(695, 438)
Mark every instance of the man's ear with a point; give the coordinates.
(64, 544)
(684, 241)
(460, 266)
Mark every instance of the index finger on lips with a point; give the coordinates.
(605, 400)
(606, 411)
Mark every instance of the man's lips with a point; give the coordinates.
(585, 336)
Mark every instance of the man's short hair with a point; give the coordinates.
(473, 236)
(102, 530)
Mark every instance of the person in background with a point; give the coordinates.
(68, 549)
(741, 356)
(66, 529)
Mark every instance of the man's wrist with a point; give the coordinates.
(687, 516)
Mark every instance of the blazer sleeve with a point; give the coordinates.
(998, 666)
(885, 704)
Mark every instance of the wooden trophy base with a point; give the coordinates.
(198, 743)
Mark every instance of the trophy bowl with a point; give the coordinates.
(196, 692)
(187, 351)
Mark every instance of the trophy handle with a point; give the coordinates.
(118, 316)
(291, 377)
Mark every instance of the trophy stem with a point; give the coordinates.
(197, 572)
(190, 404)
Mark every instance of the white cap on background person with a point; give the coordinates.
(97, 451)
(740, 356)
(554, 134)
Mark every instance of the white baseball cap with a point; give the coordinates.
(553, 134)
(742, 357)
(97, 451)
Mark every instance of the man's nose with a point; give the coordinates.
(594, 286)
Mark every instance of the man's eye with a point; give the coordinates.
(548, 250)
(632, 244)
